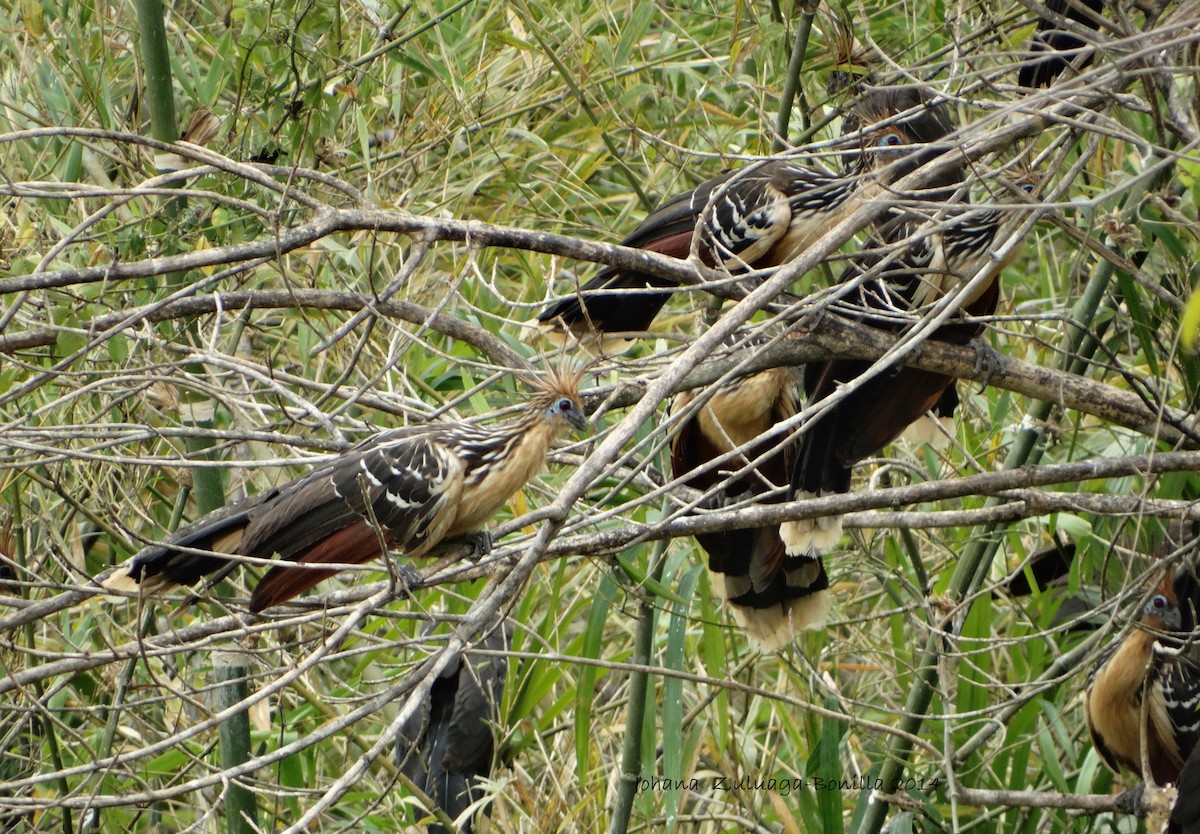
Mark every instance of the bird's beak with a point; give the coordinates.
(577, 420)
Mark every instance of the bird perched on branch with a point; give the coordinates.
(407, 489)
(1148, 685)
(448, 744)
(772, 595)
(923, 259)
(762, 215)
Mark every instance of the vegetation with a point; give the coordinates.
(391, 193)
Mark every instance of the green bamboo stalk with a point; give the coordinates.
(791, 83)
(635, 717)
(156, 70)
(207, 484)
(231, 671)
(160, 100)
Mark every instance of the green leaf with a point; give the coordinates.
(642, 579)
(676, 659)
(593, 638)
(633, 29)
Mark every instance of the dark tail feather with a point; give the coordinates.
(449, 743)
(1185, 816)
(626, 303)
(354, 544)
(771, 595)
(818, 472)
(177, 561)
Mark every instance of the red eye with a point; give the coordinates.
(890, 140)
(565, 405)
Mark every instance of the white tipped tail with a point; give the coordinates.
(608, 344)
(771, 629)
(121, 579)
(811, 536)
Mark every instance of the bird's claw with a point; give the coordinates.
(480, 542)
(406, 579)
(1130, 801)
(988, 362)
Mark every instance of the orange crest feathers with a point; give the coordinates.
(558, 380)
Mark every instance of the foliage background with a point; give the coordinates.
(574, 118)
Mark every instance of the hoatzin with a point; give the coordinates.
(1053, 48)
(886, 288)
(762, 215)
(1148, 686)
(447, 746)
(408, 489)
(771, 594)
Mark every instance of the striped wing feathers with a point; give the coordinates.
(406, 481)
(747, 213)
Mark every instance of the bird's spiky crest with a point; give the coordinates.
(907, 106)
(853, 63)
(561, 379)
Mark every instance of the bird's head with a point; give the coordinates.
(1023, 179)
(900, 122)
(556, 397)
(1161, 611)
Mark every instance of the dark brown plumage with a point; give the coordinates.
(1052, 48)
(1185, 816)
(762, 215)
(448, 745)
(887, 288)
(408, 489)
(772, 595)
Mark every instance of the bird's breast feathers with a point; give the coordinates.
(494, 473)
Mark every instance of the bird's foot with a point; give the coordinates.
(988, 361)
(1130, 801)
(480, 543)
(405, 579)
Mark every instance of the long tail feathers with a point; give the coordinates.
(353, 544)
(771, 629)
(772, 596)
(193, 553)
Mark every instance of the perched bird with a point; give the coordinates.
(772, 595)
(407, 489)
(762, 215)
(1148, 684)
(887, 287)
(447, 746)
(1053, 48)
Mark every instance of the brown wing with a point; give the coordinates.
(401, 489)
(747, 212)
(877, 412)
